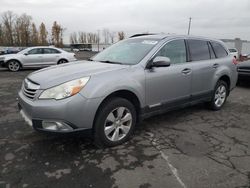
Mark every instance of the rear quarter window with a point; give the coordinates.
(219, 50)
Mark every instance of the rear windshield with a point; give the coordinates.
(232, 50)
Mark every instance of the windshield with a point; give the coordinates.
(23, 50)
(129, 52)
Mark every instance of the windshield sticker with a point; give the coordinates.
(152, 42)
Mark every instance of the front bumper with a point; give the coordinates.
(76, 112)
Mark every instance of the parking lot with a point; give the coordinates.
(191, 147)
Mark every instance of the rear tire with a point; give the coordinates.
(115, 122)
(13, 65)
(219, 95)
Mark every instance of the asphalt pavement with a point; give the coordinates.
(187, 148)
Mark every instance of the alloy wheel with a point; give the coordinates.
(220, 96)
(118, 124)
(14, 66)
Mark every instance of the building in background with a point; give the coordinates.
(243, 46)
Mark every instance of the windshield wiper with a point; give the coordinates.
(89, 59)
(111, 62)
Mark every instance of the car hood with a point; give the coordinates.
(59, 74)
(244, 64)
(9, 56)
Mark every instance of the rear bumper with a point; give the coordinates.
(76, 113)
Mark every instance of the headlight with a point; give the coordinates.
(65, 90)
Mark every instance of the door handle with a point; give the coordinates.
(216, 65)
(186, 71)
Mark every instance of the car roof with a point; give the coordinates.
(43, 47)
(34, 47)
(173, 36)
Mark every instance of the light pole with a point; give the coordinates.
(189, 25)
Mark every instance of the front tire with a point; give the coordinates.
(13, 66)
(219, 96)
(115, 122)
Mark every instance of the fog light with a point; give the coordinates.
(56, 126)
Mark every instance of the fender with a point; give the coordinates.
(115, 81)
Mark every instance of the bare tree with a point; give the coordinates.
(105, 33)
(82, 38)
(95, 38)
(25, 29)
(121, 35)
(20, 31)
(8, 19)
(17, 33)
(112, 37)
(73, 38)
(57, 35)
(34, 35)
(43, 35)
(1, 35)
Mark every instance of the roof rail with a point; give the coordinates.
(141, 34)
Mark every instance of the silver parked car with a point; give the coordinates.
(127, 82)
(36, 57)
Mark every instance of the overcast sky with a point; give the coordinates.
(213, 18)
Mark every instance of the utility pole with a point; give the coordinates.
(189, 25)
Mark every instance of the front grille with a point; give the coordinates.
(244, 69)
(30, 89)
(30, 93)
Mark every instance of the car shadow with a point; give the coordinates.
(21, 70)
(74, 142)
(244, 83)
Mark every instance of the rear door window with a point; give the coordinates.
(50, 51)
(219, 50)
(198, 50)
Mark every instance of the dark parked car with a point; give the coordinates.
(244, 69)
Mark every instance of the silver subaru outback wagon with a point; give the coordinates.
(127, 82)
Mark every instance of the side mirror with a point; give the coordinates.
(160, 61)
(26, 53)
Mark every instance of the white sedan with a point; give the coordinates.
(234, 52)
(36, 57)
